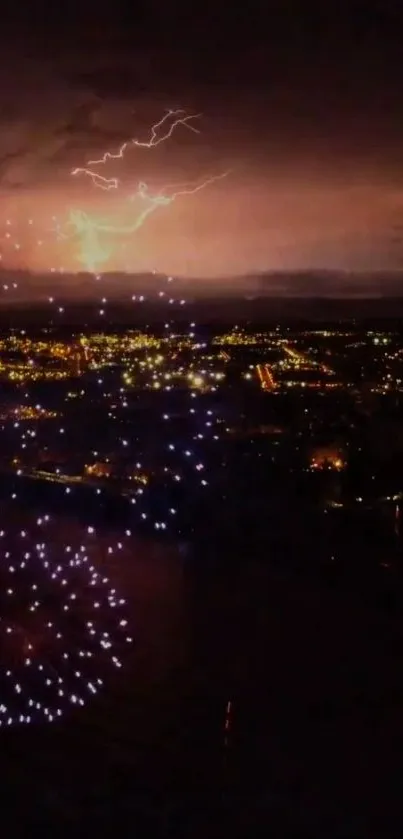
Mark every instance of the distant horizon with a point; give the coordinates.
(19, 286)
(272, 272)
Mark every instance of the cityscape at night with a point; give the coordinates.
(179, 430)
(201, 419)
(200, 451)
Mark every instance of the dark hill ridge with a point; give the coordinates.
(277, 284)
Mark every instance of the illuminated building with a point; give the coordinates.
(328, 457)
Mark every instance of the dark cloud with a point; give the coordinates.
(109, 82)
(82, 118)
(36, 126)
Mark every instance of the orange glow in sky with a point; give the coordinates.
(233, 226)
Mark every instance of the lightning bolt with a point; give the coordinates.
(155, 140)
(88, 229)
(98, 180)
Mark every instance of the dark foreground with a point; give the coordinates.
(315, 679)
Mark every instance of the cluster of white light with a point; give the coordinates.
(61, 626)
(191, 451)
(42, 233)
(192, 454)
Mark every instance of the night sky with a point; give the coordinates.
(302, 102)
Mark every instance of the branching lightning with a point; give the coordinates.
(155, 139)
(98, 180)
(88, 229)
